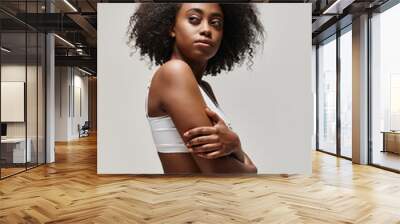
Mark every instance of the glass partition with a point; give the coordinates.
(41, 96)
(32, 95)
(13, 110)
(22, 77)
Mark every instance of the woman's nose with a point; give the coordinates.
(205, 30)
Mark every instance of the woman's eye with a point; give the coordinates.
(216, 23)
(194, 20)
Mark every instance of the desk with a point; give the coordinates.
(13, 150)
(391, 141)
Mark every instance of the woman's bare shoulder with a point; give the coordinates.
(174, 72)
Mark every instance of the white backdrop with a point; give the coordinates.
(270, 106)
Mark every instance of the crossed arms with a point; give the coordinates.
(214, 147)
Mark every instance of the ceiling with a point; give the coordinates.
(76, 22)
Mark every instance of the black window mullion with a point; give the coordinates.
(317, 96)
(338, 92)
(0, 95)
(369, 91)
(45, 92)
(26, 86)
(37, 89)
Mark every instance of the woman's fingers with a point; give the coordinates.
(207, 148)
(199, 131)
(202, 140)
(215, 154)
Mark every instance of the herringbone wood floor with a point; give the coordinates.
(69, 191)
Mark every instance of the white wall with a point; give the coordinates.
(271, 107)
(61, 103)
(79, 117)
(68, 81)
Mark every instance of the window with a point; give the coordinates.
(346, 93)
(327, 96)
(385, 88)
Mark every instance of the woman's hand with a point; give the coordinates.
(213, 142)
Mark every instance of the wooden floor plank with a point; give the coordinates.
(70, 191)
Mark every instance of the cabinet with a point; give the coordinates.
(391, 141)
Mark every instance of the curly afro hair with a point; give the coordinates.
(149, 29)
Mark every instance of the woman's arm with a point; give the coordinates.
(217, 141)
(182, 100)
(243, 157)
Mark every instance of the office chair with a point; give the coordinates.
(84, 130)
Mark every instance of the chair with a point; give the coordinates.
(84, 130)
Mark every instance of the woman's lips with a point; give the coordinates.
(203, 43)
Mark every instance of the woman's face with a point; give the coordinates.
(198, 30)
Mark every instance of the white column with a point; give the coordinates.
(360, 90)
(63, 102)
(314, 87)
(50, 99)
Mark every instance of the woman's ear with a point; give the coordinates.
(172, 32)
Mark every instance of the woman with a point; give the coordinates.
(188, 41)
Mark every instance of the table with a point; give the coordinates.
(13, 150)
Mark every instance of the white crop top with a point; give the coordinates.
(165, 136)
